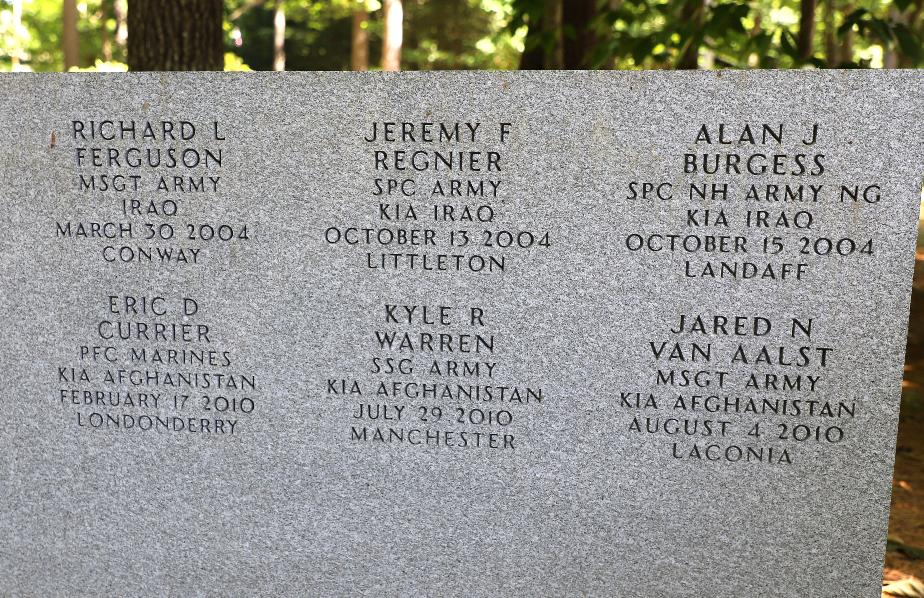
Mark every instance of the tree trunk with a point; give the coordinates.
(693, 12)
(70, 42)
(279, 37)
(179, 35)
(17, 23)
(832, 61)
(544, 47)
(845, 52)
(120, 11)
(892, 53)
(806, 38)
(552, 31)
(580, 40)
(359, 44)
(915, 22)
(533, 57)
(106, 43)
(393, 35)
(755, 60)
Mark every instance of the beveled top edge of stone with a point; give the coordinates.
(804, 74)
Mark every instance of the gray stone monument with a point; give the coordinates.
(625, 334)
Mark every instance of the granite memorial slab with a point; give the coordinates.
(324, 334)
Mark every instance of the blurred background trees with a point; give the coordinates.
(49, 35)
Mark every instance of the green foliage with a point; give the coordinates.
(462, 34)
(656, 34)
(492, 34)
(755, 34)
(890, 31)
(465, 34)
(38, 44)
(233, 62)
(101, 66)
(317, 35)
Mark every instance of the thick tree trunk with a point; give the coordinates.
(806, 38)
(179, 35)
(70, 42)
(544, 47)
(693, 12)
(279, 37)
(579, 36)
(552, 30)
(359, 44)
(393, 36)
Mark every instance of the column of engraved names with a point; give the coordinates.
(437, 382)
(433, 376)
(435, 189)
(748, 387)
(156, 364)
(738, 229)
(152, 360)
(149, 180)
(735, 388)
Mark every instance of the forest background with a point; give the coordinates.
(55, 35)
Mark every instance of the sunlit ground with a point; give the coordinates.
(904, 567)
